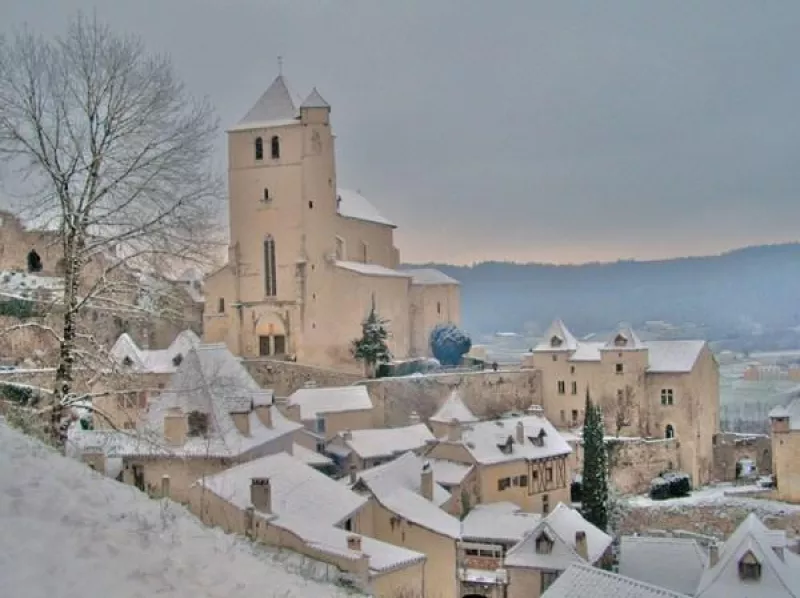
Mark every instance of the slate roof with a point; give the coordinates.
(385, 442)
(501, 522)
(584, 581)
(315, 401)
(453, 408)
(354, 205)
(676, 564)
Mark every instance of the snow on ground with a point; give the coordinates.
(718, 495)
(68, 532)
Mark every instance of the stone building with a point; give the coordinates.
(786, 450)
(647, 389)
(306, 258)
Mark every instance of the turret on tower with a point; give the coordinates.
(315, 109)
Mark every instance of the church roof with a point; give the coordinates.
(274, 105)
(315, 100)
(352, 204)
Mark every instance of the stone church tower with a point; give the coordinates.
(305, 257)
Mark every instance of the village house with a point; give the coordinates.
(453, 412)
(785, 425)
(676, 564)
(647, 389)
(560, 539)
(326, 412)
(282, 502)
(409, 509)
(362, 449)
(520, 459)
(307, 259)
(584, 581)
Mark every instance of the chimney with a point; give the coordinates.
(520, 433)
(242, 421)
(261, 494)
(165, 486)
(713, 555)
(347, 435)
(426, 483)
(414, 419)
(176, 426)
(264, 414)
(353, 473)
(454, 430)
(354, 543)
(580, 545)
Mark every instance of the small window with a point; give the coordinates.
(545, 504)
(177, 360)
(348, 525)
(667, 396)
(439, 308)
(221, 305)
(619, 368)
(574, 416)
(562, 387)
(276, 147)
(534, 475)
(503, 483)
(749, 570)
(669, 431)
(34, 261)
(198, 423)
(563, 417)
(555, 357)
(523, 481)
(572, 369)
(127, 362)
(320, 424)
(310, 205)
(548, 474)
(259, 148)
(267, 197)
(574, 388)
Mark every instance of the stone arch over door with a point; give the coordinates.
(271, 335)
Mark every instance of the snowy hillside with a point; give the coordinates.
(70, 533)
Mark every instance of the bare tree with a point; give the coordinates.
(115, 156)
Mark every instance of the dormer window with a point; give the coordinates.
(749, 568)
(275, 146)
(543, 544)
(198, 423)
(620, 340)
(506, 447)
(177, 360)
(556, 341)
(538, 440)
(259, 148)
(127, 362)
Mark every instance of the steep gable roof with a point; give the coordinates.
(624, 339)
(454, 408)
(557, 338)
(315, 100)
(318, 401)
(498, 522)
(158, 361)
(274, 106)
(584, 581)
(673, 563)
(792, 411)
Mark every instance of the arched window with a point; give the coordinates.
(276, 147)
(270, 279)
(266, 195)
(221, 305)
(259, 148)
(669, 431)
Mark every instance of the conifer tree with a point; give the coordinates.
(371, 348)
(594, 504)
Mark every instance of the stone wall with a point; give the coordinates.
(486, 393)
(730, 447)
(285, 377)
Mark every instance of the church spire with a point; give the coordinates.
(275, 104)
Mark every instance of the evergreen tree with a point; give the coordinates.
(594, 504)
(371, 348)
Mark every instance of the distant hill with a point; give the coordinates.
(738, 293)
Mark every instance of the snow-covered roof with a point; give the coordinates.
(792, 411)
(501, 522)
(673, 563)
(624, 339)
(315, 100)
(24, 285)
(557, 338)
(560, 527)
(454, 408)
(669, 357)
(448, 473)
(352, 204)
(159, 361)
(274, 107)
(780, 575)
(370, 269)
(298, 490)
(310, 457)
(318, 401)
(385, 442)
(584, 581)
(496, 441)
(213, 381)
(67, 509)
(429, 276)
(397, 486)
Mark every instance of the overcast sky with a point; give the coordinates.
(518, 130)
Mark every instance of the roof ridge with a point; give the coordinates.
(629, 580)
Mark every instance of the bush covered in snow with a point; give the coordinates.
(670, 485)
(449, 344)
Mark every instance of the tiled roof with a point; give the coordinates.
(371, 269)
(673, 563)
(453, 408)
(274, 105)
(429, 276)
(584, 581)
(496, 441)
(298, 490)
(498, 522)
(384, 442)
(351, 204)
(315, 401)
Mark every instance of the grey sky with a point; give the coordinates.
(519, 130)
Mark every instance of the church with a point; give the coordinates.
(307, 259)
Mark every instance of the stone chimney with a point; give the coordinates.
(713, 555)
(426, 483)
(261, 494)
(347, 435)
(354, 543)
(165, 491)
(580, 545)
(242, 421)
(176, 426)
(353, 473)
(414, 419)
(520, 433)
(264, 414)
(454, 430)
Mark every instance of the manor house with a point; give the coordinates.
(307, 259)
